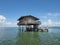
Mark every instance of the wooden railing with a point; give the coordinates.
(29, 22)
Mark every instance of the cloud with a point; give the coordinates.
(5, 23)
(2, 19)
(50, 15)
(53, 14)
(47, 19)
(51, 23)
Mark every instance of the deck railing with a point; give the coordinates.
(29, 22)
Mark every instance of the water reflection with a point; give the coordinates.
(28, 38)
(15, 36)
(38, 38)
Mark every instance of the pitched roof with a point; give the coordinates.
(28, 16)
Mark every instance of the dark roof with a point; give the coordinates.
(27, 16)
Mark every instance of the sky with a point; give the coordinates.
(48, 11)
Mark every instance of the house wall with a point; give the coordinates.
(27, 19)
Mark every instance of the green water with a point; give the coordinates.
(13, 36)
(28, 38)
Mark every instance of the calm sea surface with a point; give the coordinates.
(13, 36)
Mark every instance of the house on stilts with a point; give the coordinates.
(30, 23)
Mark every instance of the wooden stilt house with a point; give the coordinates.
(30, 22)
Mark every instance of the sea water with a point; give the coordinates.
(14, 36)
